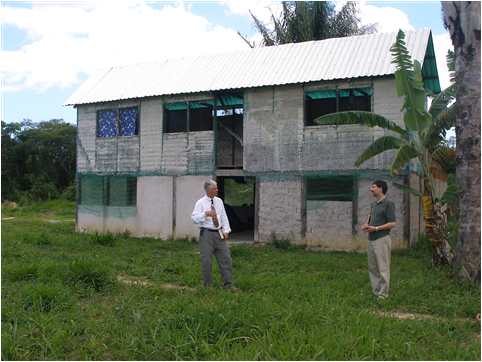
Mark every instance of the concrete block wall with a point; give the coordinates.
(86, 125)
(150, 131)
(280, 209)
(275, 138)
(188, 190)
(200, 152)
(155, 206)
(118, 220)
(128, 155)
(106, 154)
(151, 151)
(90, 218)
(174, 153)
(328, 223)
(273, 129)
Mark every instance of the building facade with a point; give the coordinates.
(143, 152)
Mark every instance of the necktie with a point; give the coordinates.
(215, 218)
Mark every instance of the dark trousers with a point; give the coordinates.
(211, 244)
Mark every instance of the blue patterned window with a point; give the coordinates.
(128, 121)
(106, 123)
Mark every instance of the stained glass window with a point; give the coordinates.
(106, 123)
(128, 121)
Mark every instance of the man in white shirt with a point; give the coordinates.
(210, 215)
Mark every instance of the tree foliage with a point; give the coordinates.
(311, 20)
(38, 159)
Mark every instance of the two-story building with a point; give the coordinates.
(149, 135)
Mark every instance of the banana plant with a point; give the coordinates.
(419, 140)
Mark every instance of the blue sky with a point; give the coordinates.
(49, 48)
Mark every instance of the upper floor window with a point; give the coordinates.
(175, 117)
(201, 116)
(188, 116)
(118, 122)
(321, 102)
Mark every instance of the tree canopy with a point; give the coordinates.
(311, 20)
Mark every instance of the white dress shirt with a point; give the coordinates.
(199, 217)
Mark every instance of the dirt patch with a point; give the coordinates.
(419, 316)
(9, 205)
(144, 282)
(8, 218)
(55, 221)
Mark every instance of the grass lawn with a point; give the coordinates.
(62, 299)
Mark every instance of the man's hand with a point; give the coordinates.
(364, 227)
(226, 235)
(371, 229)
(210, 213)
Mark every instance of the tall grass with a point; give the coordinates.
(63, 300)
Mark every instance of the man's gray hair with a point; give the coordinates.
(208, 184)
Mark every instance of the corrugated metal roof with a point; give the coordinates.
(337, 58)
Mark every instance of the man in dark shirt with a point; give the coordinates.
(378, 226)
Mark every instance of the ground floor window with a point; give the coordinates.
(108, 190)
(330, 188)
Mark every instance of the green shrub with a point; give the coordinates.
(103, 239)
(43, 190)
(281, 244)
(69, 193)
(42, 239)
(89, 274)
(45, 297)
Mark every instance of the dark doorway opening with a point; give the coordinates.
(229, 139)
(238, 194)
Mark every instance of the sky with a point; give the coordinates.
(48, 48)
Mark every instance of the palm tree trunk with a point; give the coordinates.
(463, 21)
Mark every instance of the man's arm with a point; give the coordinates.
(198, 216)
(224, 220)
(387, 226)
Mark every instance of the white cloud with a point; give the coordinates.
(68, 40)
(388, 19)
(261, 9)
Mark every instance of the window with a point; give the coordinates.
(108, 190)
(330, 188)
(107, 123)
(175, 115)
(201, 116)
(128, 121)
(122, 191)
(118, 122)
(322, 102)
(91, 190)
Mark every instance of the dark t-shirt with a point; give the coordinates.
(381, 213)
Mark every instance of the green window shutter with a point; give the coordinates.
(178, 106)
(330, 188)
(91, 190)
(321, 94)
(122, 191)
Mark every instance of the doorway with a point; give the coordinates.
(238, 194)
